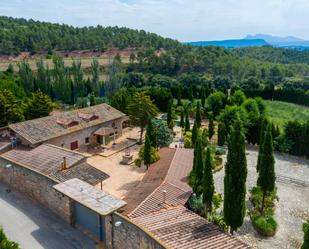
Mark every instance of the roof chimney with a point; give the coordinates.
(64, 163)
(164, 196)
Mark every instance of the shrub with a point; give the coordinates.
(5, 243)
(218, 163)
(188, 140)
(264, 224)
(306, 235)
(282, 144)
(154, 154)
(219, 221)
(196, 203)
(257, 195)
(138, 162)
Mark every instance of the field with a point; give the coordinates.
(282, 112)
(86, 62)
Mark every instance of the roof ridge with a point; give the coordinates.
(65, 149)
(157, 188)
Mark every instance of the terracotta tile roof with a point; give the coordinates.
(180, 228)
(153, 178)
(166, 217)
(42, 129)
(46, 160)
(175, 184)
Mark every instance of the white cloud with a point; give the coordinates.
(180, 19)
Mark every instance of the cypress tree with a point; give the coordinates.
(235, 178)
(205, 141)
(92, 99)
(195, 131)
(198, 117)
(203, 97)
(261, 142)
(147, 152)
(182, 121)
(211, 127)
(169, 113)
(221, 134)
(266, 179)
(208, 182)
(198, 167)
(187, 121)
(152, 134)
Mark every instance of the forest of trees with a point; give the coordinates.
(19, 35)
(275, 55)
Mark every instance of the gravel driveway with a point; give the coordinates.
(293, 206)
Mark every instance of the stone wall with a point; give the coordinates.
(37, 187)
(129, 235)
(80, 136)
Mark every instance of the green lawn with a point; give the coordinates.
(282, 112)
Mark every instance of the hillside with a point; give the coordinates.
(274, 55)
(21, 35)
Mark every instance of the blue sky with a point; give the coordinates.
(185, 20)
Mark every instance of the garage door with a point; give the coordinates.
(88, 220)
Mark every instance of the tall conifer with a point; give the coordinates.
(198, 117)
(208, 182)
(211, 127)
(147, 152)
(267, 177)
(187, 121)
(235, 178)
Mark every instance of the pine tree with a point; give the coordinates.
(147, 152)
(267, 177)
(198, 117)
(235, 178)
(195, 133)
(208, 182)
(187, 121)
(211, 127)
(40, 105)
(221, 134)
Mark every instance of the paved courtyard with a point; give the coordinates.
(35, 227)
(122, 178)
(292, 208)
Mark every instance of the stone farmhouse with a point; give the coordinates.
(72, 129)
(46, 166)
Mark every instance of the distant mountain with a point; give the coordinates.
(231, 43)
(274, 39)
(289, 42)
